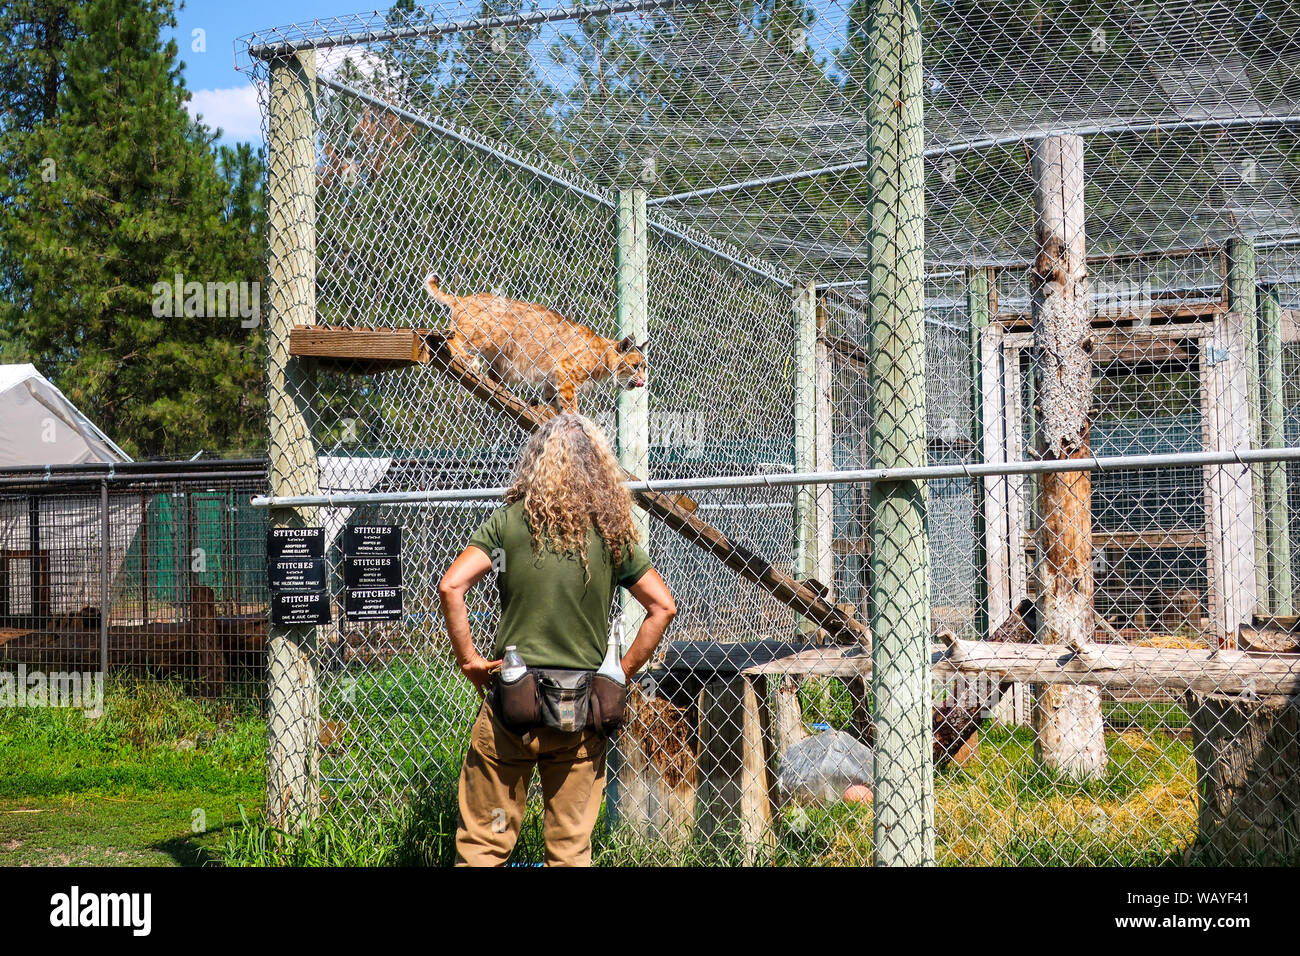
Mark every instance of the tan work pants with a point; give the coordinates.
(494, 789)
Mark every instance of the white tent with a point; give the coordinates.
(39, 426)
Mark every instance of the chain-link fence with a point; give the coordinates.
(971, 335)
(155, 569)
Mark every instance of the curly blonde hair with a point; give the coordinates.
(569, 480)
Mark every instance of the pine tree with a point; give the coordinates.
(31, 70)
(119, 191)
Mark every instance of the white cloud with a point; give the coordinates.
(234, 109)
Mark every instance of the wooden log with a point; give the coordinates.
(1069, 732)
(787, 715)
(1248, 779)
(1120, 669)
(676, 512)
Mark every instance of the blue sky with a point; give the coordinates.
(222, 95)
(226, 99)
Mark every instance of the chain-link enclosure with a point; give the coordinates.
(970, 422)
(143, 570)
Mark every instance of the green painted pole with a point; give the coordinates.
(903, 826)
(1241, 299)
(633, 404)
(1280, 598)
(293, 706)
(977, 305)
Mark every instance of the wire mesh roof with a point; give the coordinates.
(748, 120)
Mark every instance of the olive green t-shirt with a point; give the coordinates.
(548, 611)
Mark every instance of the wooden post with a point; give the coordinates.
(977, 305)
(812, 442)
(1247, 762)
(633, 404)
(1242, 278)
(1273, 435)
(293, 709)
(735, 780)
(903, 823)
(1229, 509)
(1067, 720)
(805, 427)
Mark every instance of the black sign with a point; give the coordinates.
(305, 575)
(373, 540)
(295, 544)
(374, 604)
(300, 607)
(372, 572)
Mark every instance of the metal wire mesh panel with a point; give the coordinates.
(161, 578)
(956, 342)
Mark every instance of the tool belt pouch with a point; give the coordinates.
(608, 704)
(518, 703)
(564, 697)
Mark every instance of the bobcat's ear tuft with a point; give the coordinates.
(432, 283)
(625, 344)
(643, 345)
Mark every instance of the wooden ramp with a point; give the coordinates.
(675, 511)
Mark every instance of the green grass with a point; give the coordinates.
(154, 781)
(135, 785)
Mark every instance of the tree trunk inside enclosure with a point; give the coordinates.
(1067, 720)
(1247, 765)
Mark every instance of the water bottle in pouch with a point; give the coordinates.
(512, 665)
(612, 666)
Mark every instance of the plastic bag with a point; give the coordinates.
(821, 768)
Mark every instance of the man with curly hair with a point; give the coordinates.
(562, 545)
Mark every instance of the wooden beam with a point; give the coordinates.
(1118, 669)
(361, 349)
(675, 511)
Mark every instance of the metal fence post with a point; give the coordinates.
(633, 404)
(900, 600)
(292, 785)
(105, 556)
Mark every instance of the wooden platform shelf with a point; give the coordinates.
(363, 350)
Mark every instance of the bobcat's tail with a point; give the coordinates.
(431, 286)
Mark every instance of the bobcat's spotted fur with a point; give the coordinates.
(521, 342)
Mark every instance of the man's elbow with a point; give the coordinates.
(447, 589)
(668, 609)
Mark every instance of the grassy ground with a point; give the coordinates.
(156, 781)
(162, 779)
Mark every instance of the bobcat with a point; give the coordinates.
(522, 342)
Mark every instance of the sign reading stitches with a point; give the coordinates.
(372, 572)
(295, 567)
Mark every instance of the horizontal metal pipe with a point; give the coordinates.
(866, 475)
(44, 484)
(267, 51)
(98, 468)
